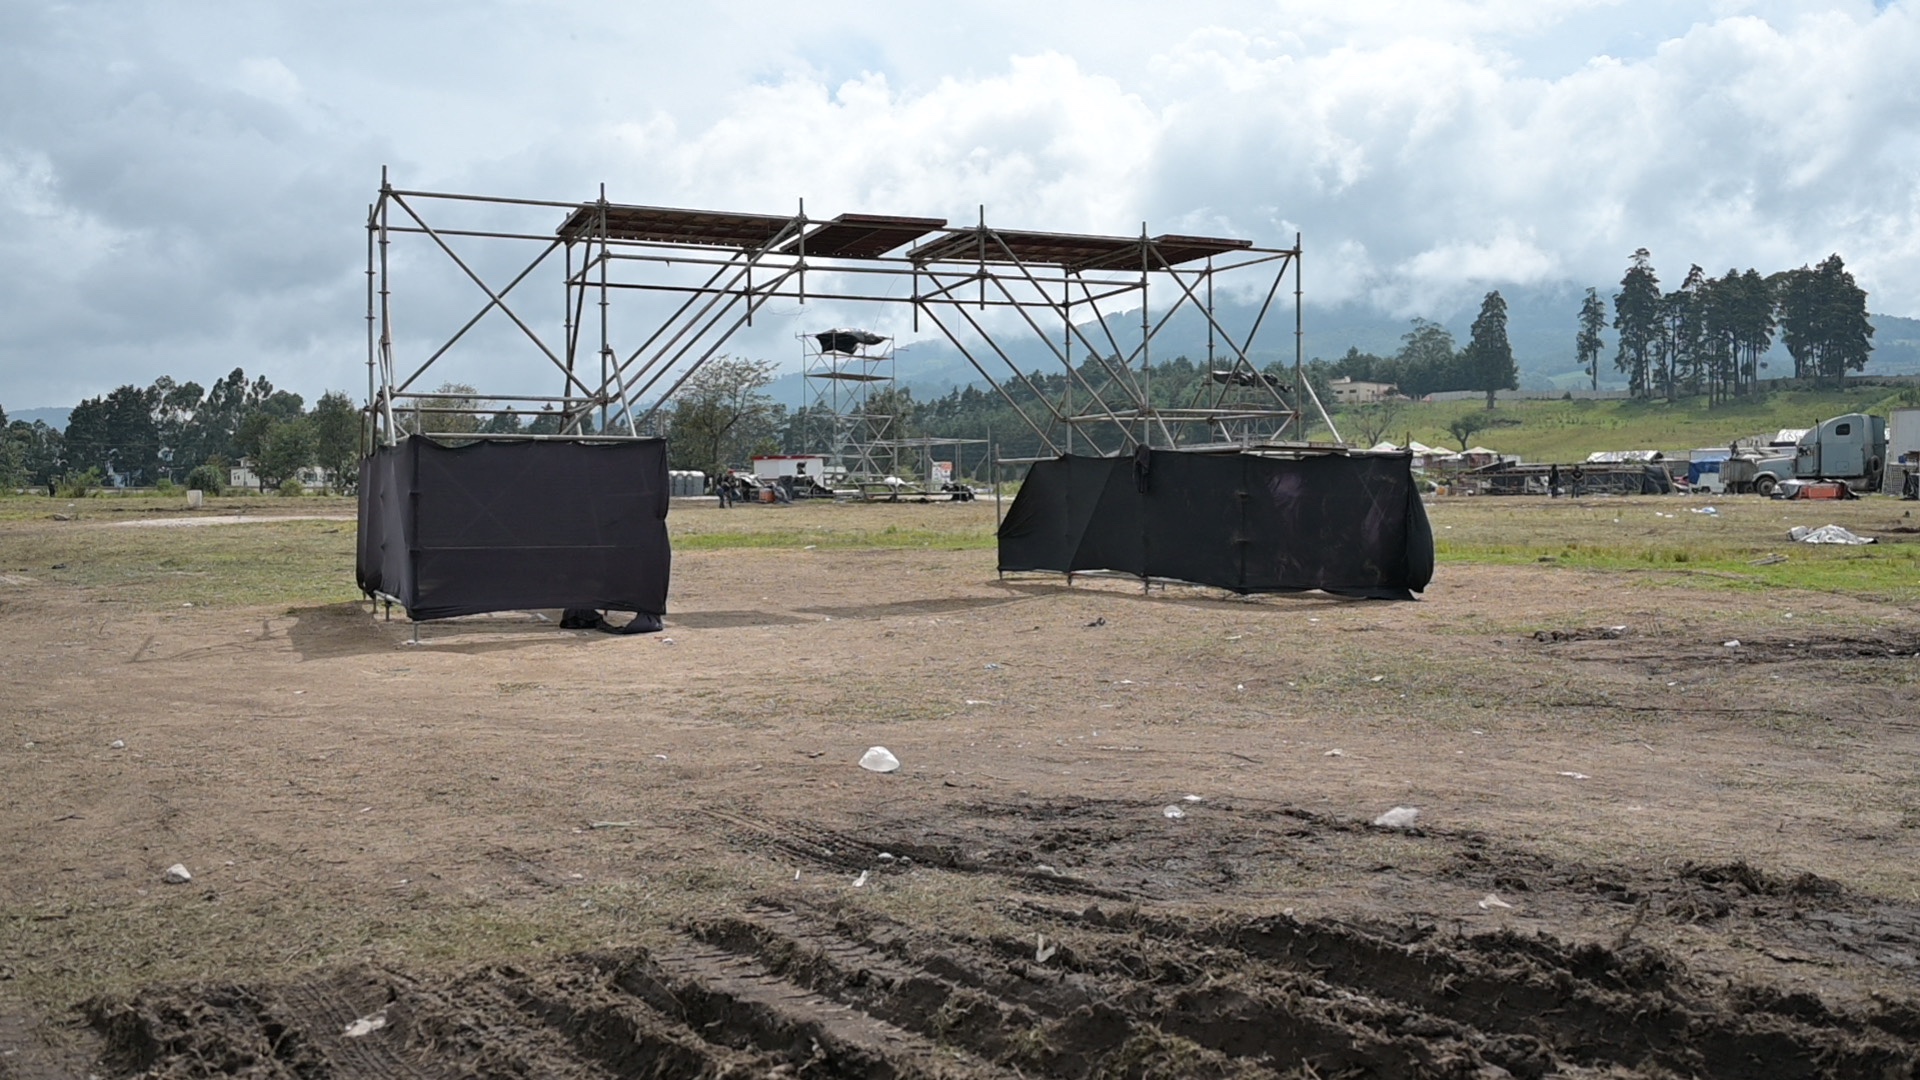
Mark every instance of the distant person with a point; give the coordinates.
(1553, 481)
(723, 487)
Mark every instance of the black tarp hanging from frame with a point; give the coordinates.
(1350, 524)
(508, 526)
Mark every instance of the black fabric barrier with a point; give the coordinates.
(1346, 524)
(506, 526)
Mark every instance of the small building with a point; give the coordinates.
(242, 477)
(1346, 391)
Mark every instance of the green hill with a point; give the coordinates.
(1570, 430)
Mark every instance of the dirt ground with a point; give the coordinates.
(1132, 834)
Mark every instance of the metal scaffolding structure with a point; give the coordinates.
(618, 364)
(850, 376)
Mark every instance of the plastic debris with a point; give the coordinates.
(1732, 643)
(1042, 949)
(1173, 812)
(1101, 621)
(1574, 775)
(1335, 752)
(1191, 798)
(1710, 510)
(879, 759)
(993, 667)
(117, 744)
(1400, 817)
(177, 874)
(366, 1025)
(861, 881)
(1828, 534)
(1490, 901)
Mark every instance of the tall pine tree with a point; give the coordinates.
(1489, 356)
(1588, 343)
(1636, 316)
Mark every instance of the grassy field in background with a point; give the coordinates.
(1570, 430)
(1662, 541)
(1656, 540)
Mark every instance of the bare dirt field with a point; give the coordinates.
(1668, 819)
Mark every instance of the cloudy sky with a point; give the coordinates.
(183, 184)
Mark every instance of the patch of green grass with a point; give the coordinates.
(1891, 573)
(281, 563)
(1744, 544)
(885, 526)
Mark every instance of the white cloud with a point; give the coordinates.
(181, 186)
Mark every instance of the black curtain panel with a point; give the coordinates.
(507, 526)
(1349, 524)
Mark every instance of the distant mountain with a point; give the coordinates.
(1541, 323)
(53, 418)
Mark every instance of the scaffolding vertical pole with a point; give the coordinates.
(1066, 338)
(367, 432)
(982, 237)
(569, 332)
(1299, 369)
(993, 474)
(386, 312)
(606, 256)
(1146, 342)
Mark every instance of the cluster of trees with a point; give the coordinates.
(1429, 363)
(1707, 336)
(181, 432)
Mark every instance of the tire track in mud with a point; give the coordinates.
(787, 988)
(1059, 978)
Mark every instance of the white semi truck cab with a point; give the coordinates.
(1852, 447)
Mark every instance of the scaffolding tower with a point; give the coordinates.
(850, 378)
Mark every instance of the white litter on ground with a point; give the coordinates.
(1828, 534)
(1400, 817)
(879, 759)
(366, 1025)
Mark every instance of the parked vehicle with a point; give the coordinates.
(1851, 448)
(1903, 454)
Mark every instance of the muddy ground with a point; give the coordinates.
(1132, 834)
